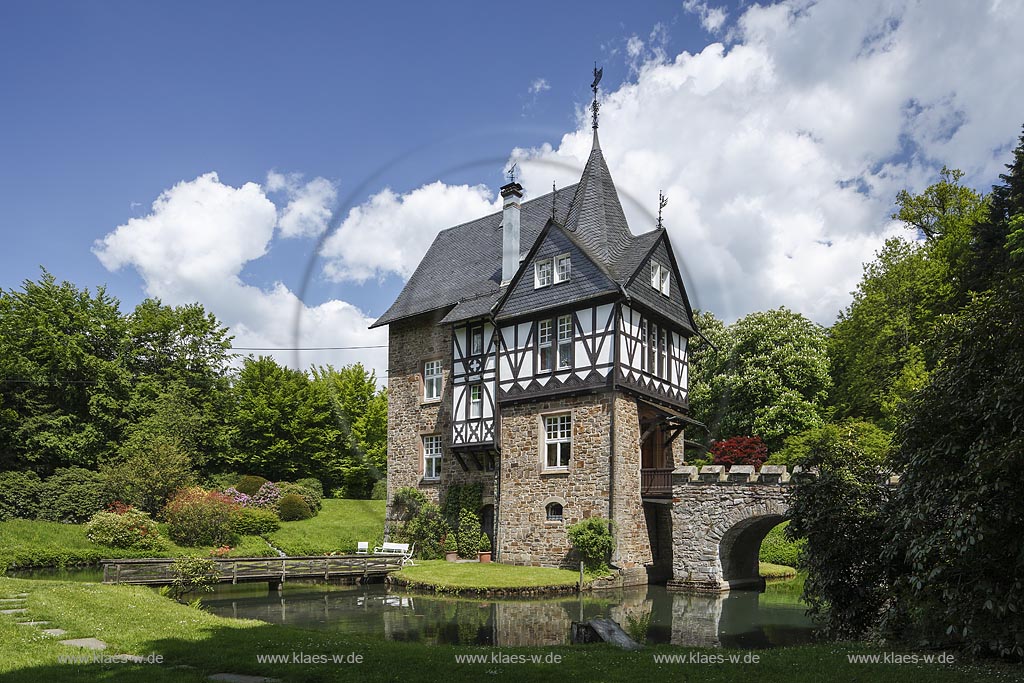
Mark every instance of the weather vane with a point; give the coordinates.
(662, 203)
(595, 105)
(511, 172)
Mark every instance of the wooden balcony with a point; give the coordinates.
(656, 482)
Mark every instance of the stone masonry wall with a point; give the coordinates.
(411, 342)
(524, 534)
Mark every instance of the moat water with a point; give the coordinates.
(737, 619)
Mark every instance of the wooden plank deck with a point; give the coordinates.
(242, 569)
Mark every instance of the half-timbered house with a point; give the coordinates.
(542, 352)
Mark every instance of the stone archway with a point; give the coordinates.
(717, 529)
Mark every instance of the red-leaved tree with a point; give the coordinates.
(740, 450)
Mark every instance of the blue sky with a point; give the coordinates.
(197, 151)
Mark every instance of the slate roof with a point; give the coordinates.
(462, 268)
(464, 263)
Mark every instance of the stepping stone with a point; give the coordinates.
(241, 678)
(12, 599)
(88, 643)
(32, 623)
(13, 611)
(54, 631)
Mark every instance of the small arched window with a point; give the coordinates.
(554, 512)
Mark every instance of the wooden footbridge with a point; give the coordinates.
(252, 569)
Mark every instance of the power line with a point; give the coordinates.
(306, 348)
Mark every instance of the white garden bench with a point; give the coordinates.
(401, 549)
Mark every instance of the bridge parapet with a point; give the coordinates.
(742, 474)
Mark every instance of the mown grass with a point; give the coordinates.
(443, 576)
(27, 544)
(776, 571)
(337, 529)
(195, 644)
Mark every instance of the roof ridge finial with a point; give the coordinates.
(662, 203)
(595, 105)
(553, 192)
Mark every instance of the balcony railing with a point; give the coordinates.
(656, 482)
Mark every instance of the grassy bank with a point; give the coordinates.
(195, 644)
(776, 571)
(337, 529)
(26, 544)
(444, 577)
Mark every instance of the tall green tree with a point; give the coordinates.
(62, 382)
(880, 347)
(282, 425)
(768, 377)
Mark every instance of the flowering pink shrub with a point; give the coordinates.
(242, 499)
(197, 517)
(267, 497)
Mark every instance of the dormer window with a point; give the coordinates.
(563, 268)
(543, 273)
(660, 278)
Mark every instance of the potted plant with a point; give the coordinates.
(485, 548)
(451, 551)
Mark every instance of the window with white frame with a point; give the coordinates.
(432, 380)
(557, 441)
(432, 456)
(660, 278)
(476, 341)
(662, 355)
(563, 268)
(652, 350)
(542, 273)
(545, 347)
(643, 345)
(476, 401)
(565, 341)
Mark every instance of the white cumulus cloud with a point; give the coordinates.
(309, 207)
(193, 245)
(391, 232)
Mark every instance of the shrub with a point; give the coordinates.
(380, 490)
(739, 450)
(593, 541)
(292, 508)
(250, 484)
(221, 481)
(485, 543)
(449, 545)
(72, 495)
(777, 549)
(468, 535)
(129, 529)
(237, 496)
(197, 517)
(267, 497)
(255, 522)
(407, 503)
(19, 495)
(427, 528)
(312, 484)
(312, 498)
(193, 574)
(148, 473)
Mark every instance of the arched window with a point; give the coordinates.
(554, 512)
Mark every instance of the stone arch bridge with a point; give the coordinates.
(719, 518)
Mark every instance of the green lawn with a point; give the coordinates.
(445, 576)
(26, 544)
(776, 571)
(195, 644)
(337, 529)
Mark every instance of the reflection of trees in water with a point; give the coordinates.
(733, 619)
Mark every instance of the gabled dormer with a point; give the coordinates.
(657, 285)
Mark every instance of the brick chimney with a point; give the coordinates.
(511, 194)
